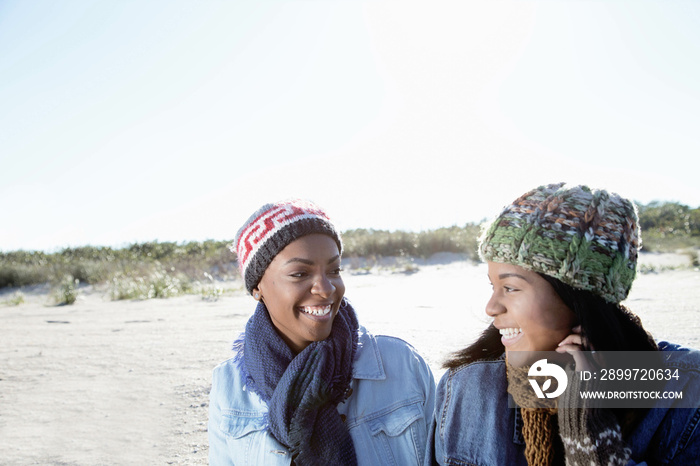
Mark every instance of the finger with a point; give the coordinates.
(581, 358)
(572, 339)
(584, 341)
(569, 349)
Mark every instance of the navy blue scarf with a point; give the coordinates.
(303, 391)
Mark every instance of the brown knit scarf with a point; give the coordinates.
(589, 435)
(539, 417)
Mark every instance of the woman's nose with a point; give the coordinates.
(494, 307)
(322, 286)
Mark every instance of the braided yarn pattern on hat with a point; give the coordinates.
(271, 228)
(586, 238)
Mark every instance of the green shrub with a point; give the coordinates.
(156, 284)
(94, 265)
(124, 287)
(658, 241)
(22, 274)
(155, 269)
(211, 291)
(382, 243)
(67, 291)
(669, 218)
(693, 256)
(16, 299)
(164, 285)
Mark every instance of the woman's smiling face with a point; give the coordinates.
(302, 290)
(529, 313)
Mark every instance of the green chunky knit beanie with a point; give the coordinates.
(583, 237)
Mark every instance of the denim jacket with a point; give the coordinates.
(387, 413)
(473, 424)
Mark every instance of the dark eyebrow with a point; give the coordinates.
(516, 275)
(299, 259)
(308, 262)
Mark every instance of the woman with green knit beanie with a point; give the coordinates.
(561, 259)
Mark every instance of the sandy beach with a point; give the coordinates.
(107, 382)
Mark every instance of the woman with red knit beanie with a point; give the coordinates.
(308, 385)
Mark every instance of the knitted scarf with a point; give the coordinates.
(590, 436)
(302, 391)
(539, 417)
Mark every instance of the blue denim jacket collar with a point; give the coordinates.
(368, 362)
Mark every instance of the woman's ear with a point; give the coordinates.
(256, 294)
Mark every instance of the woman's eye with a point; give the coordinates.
(509, 289)
(297, 274)
(336, 271)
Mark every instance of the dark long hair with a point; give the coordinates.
(606, 326)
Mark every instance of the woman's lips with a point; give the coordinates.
(510, 335)
(317, 312)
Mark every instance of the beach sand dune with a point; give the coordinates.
(121, 383)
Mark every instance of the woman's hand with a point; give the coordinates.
(576, 345)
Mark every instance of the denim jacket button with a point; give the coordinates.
(343, 417)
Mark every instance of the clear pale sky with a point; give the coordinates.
(128, 121)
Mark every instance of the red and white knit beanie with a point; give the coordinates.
(271, 228)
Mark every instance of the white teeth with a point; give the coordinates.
(316, 310)
(510, 332)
